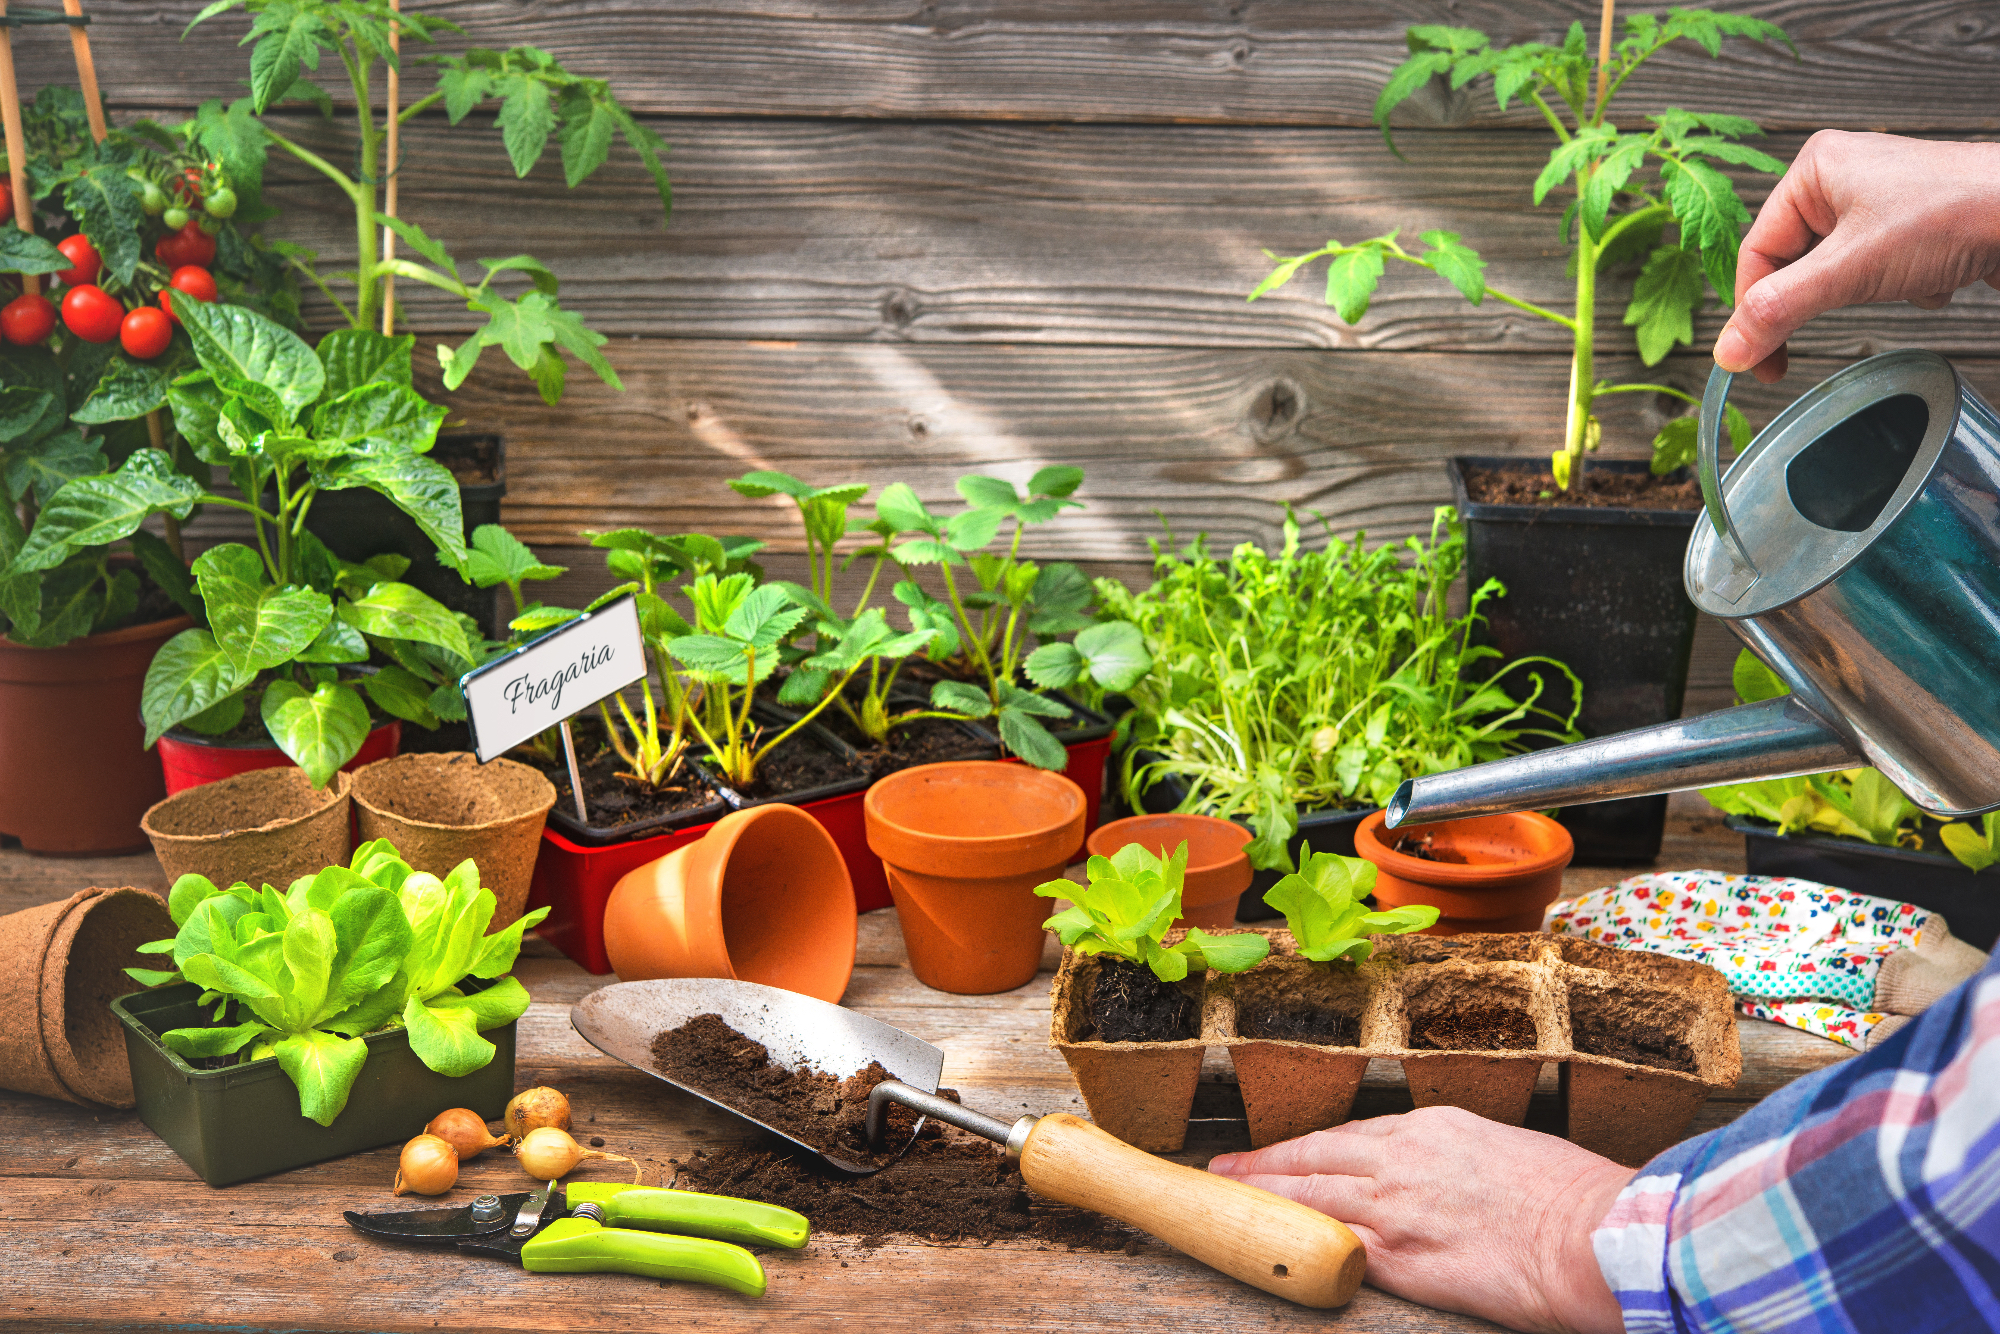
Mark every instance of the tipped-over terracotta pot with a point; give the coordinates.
(762, 897)
(1218, 870)
(964, 845)
(1491, 873)
(265, 827)
(440, 809)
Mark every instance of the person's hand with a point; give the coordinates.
(1458, 1212)
(1860, 218)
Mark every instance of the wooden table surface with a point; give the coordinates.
(106, 1229)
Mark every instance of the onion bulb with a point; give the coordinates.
(429, 1166)
(535, 1108)
(547, 1153)
(465, 1130)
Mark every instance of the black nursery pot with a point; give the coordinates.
(1600, 590)
(1937, 881)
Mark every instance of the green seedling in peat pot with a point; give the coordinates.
(1325, 910)
(283, 618)
(307, 973)
(1615, 219)
(1132, 901)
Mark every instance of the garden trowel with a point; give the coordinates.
(1268, 1242)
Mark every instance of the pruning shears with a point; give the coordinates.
(590, 1227)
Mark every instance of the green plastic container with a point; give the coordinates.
(243, 1121)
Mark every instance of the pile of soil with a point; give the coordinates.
(615, 802)
(1129, 1004)
(1320, 1024)
(1593, 489)
(1474, 1028)
(801, 763)
(1657, 1047)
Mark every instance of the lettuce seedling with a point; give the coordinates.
(1324, 910)
(1132, 899)
(354, 950)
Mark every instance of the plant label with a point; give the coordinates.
(546, 681)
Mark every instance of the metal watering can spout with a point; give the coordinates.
(1855, 547)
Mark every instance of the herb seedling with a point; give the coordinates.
(1132, 900)
(1614, 219)
(1324, 909)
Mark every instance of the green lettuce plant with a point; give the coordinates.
(1132, 900)
(307, 973)
(1617, 214)
(1324, 908)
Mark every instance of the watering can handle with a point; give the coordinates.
(1708, 434)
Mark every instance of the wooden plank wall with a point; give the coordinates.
(916, 238)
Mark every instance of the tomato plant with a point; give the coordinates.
(187, 245)
(83, 256)
(27, 319)
(144, 333)
(91, 313)
(191, 280)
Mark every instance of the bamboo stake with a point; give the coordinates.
(389, 171)
(86, 70)
(17, 145)
(1604, 54)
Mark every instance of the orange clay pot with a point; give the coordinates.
(965, 844)
(1507, 869)
(1218, 870)
(762, 897)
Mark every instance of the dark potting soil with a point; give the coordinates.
(923, 741)
(613, 801)
(1129, 1004)
(1421, 849)
(799, 764)
(1657, 1047)
(474, 460)
(1474, 1028)
(817, 1108)
(1594, 489)
(1327, 1027)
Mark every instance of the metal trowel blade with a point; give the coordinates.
(799, 1032)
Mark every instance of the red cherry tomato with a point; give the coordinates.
(6, 203)
(189, 245)
(92, 314)
(27, 319)
(189, 280)
(145, 333)
(79, 251)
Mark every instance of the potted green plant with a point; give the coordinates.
(1590, 555)
(1855, 831)
(1126, 1004)
(1293, 691)
(356, 1005)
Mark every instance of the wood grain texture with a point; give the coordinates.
(1922, 65)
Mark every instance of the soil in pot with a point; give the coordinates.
(1128, 1003)
(924, 741)
(1620, 1027)
(1319, 1024)
(616, 802)
(799, 764)
(1474, 1028)
(1591, 488)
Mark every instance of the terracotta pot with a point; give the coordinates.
(442, 809)
(964, 844)
(1218, 870)
(762, 897)
(266, 827)
(1507, 869)
(189, 760)
(574, 882)
(61, 964)
(74, 773)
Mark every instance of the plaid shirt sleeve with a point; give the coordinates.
(1865, 1196)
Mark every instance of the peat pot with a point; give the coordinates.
(964, 845)
(763, 897)
(1142, 1092)
(189, 760)
(1600, 590)
(1218, 870)
(74, 773)
(440, 810)
(1489, 873)
(265, 827)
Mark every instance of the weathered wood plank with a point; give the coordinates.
(1924, 65)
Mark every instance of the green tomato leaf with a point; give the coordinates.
(526, 118)
(103, 200)
(1351, 280)
(1664, 299)
(26, 252)
(1459, 265)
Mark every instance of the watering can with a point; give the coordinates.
(1855, 547)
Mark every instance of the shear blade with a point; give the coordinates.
(445, 1226)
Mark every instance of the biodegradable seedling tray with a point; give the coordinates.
(1141, 1092)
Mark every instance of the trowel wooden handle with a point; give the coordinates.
(1269, 1242)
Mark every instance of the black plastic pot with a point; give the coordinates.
(1970, 902)
(562, 816)
(243, 1121)
(359, 523)
(1600, 590)
(812, 734)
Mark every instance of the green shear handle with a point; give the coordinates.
(721, 1217)
(584, 1246)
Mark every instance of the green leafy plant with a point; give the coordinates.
(539, 100)
(1132, 900)
(1976, 845)
(495, 557)
(1318, 679)
(286, 616)
(1324, 907)
(1615, 217)
(307, 973)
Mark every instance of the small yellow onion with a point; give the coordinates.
(535, 1108)
(429, 1166)
(465, 1130)
(547, 1153)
